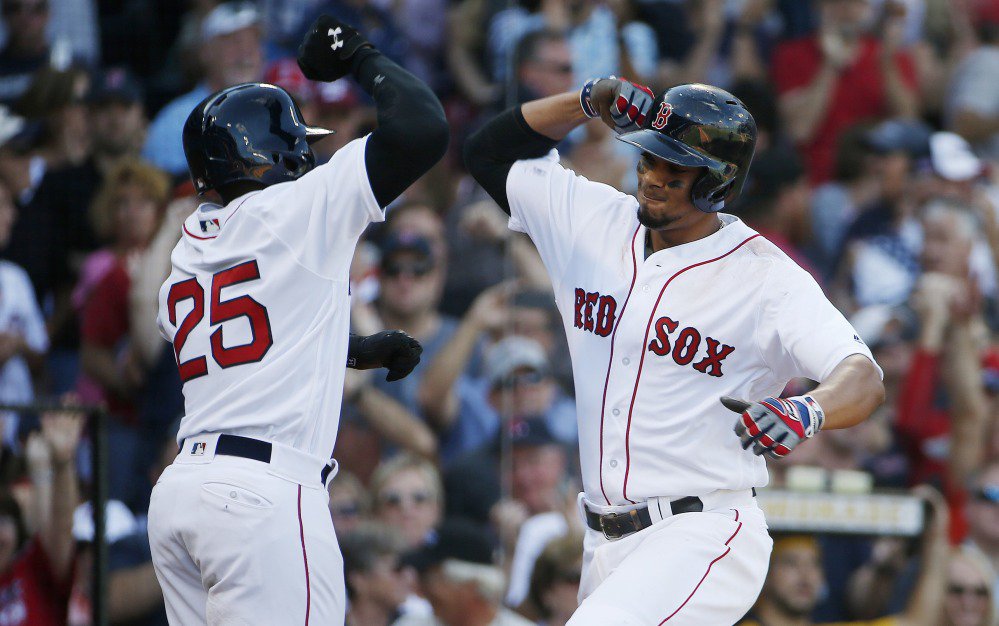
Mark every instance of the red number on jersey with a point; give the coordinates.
(188, 289)
(221, 311)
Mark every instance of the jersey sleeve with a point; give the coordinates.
(552, 205)
(322, 215)
(800, 332)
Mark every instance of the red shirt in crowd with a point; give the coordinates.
(859, 94)
(105, 323)
(30, 593)
(924, 432)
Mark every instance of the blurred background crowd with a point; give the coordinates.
(877, 169)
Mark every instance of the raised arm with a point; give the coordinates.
(412, 133)
(532, 129)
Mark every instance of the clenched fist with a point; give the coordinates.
(328, 49)
(775, 426)
(621, 104)
(391, 349)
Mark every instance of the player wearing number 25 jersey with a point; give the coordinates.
(257, 308)
(670, 306)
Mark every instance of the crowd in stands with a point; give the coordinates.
(877, 170)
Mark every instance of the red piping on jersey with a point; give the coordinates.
(645, 342)
(190, 234)
(610, 360)
(305, 557)
(720, 557)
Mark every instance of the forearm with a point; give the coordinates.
(556, 116)
(902, 101)
(924, 606)
(851, 392)
(695, 66)
(527, 262)
(745, 56)
(57, 534)
(412, 133)
(962, 378)
(395, 423)
(436, 395)
(805, 108)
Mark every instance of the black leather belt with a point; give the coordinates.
(617, 525)
(248, 448)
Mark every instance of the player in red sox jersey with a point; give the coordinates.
(669, 306)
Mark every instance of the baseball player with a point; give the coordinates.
(668, 305)
(257, 309)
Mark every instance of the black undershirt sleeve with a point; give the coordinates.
(492, 150)
(412, 133)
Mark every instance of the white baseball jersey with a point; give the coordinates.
(656, 341)
(257, 306)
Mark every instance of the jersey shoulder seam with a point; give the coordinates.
(760, 310)
(290, 250)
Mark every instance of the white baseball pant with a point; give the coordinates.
(240, 541)
(703, 569)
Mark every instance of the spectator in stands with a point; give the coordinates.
(795, 582)
(460, 579)
(776, 202)
(117, 128)
(36, 571)
(464, 403)
(23, 338)
(127, 211)
(970, 599)
(543, 63)
(972, 101)
(555, 581)
(55, 99)
(349, 502)
(378, 584)
(231, 53)
(408, 496)
(27, 48)
(841, 75)
(983, 517)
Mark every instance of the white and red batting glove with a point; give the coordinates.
(774, 426)
(629, 104)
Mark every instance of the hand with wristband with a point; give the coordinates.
(620, 103)
(775, 426)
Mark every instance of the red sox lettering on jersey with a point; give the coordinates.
(656, 341)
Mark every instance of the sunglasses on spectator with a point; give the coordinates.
(32, 8)
(988, 493)
(347, 510)
(419, 269)
(395, 499)
(980, 591)
(517, 380)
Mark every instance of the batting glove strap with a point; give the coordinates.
(584, 98)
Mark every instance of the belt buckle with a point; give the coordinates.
(610, 533)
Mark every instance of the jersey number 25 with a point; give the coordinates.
(220, 311)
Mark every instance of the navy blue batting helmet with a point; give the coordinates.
(701, 126)
(250, 132)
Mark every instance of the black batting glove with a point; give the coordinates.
(328, 50)
(392, 349)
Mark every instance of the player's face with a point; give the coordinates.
(795, 579)
(967, 600)
(664, 194)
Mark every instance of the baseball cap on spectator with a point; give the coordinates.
(511, 354)
(114, 84)
(532, 432)
(899, 135)
(229, 17)
(339, 94)
(286, 74)
(952, 158)
(456, 540)
(119, 522)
